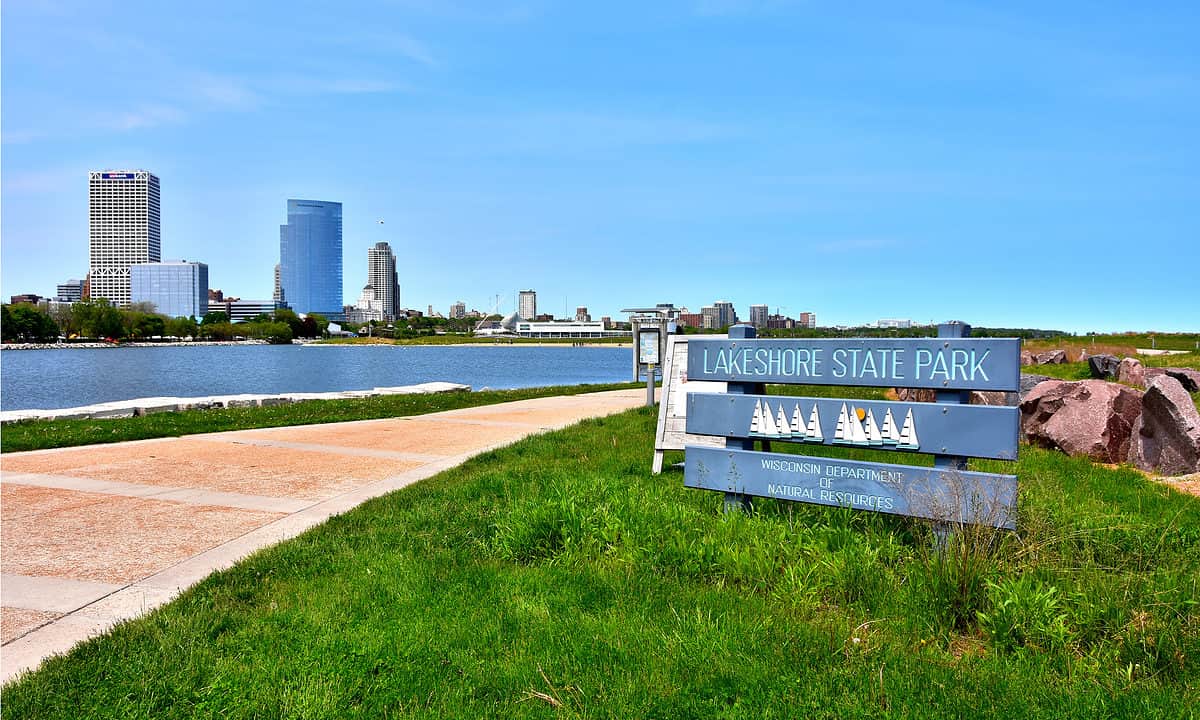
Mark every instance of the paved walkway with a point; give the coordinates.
(95, 535)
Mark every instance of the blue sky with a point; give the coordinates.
(1007, 164)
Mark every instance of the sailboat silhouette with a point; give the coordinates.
(813, 432)
(908, 434)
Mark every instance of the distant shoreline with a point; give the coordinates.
(107, 346)
(313, 343)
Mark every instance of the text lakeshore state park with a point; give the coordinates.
(887, 363)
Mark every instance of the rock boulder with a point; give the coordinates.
(1089, 417)
(1103, 367)
(1166, 436)
(1050, 357)
(1131, 372)
(1028, 382)
(1188, 378)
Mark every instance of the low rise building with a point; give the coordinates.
(70, 292)
(174, 288)
(565, 329)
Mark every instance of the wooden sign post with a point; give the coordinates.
(950, 429)
(673, 406)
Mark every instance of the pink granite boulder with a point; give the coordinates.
(1050, 357)
(1131, 372)
(1088, 417)
(1187, 377)
(1166, 436)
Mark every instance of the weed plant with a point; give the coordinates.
(559, 578)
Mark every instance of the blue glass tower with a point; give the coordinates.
(310, 257)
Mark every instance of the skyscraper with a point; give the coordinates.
(310, 257)
(726, 315)
(123, 229)
(381, 275)
(277, 296)
(758, 316)
(527, 305)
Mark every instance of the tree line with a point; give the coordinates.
(100, 320)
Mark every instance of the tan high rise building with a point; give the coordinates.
(381, 276)
(527, 305)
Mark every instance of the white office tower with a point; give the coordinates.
(381, 276)
(123, 229)
(527, 305)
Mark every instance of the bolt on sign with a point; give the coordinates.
(950, 429)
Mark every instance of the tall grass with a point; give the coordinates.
(558, 577)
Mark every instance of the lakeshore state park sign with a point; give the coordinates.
(950, 429)
(953, 364)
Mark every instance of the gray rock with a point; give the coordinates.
(1103, 367)
(1088, 417)
(1026, 358)
(1166, 436)
(1131, 372)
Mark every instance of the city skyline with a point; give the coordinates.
(1009, 167)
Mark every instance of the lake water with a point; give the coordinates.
(69, 378)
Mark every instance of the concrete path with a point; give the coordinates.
(95, 535)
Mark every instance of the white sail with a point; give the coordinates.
(908, 435)
(769, 428)
(781, 422)
(872, 430)
(891, 435)
(813, 433)
(797, 423)
(841, 434)
(756, 421)
(858, 435)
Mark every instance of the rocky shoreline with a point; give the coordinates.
(149, 406)
(105, 346)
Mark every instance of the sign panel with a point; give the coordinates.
(648, 347)
(117, 176)
(932, 493)
(673, 407)
(942, 364)
(942, 428)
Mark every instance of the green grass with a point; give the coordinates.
(42, 434)
(558, 570)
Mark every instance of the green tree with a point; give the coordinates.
(98, 319)
(217, 330)
(215, 316)
(276, 333)
(181, 327)
(26, 323)
(152, 326)
(291, 319)
(321, 322)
